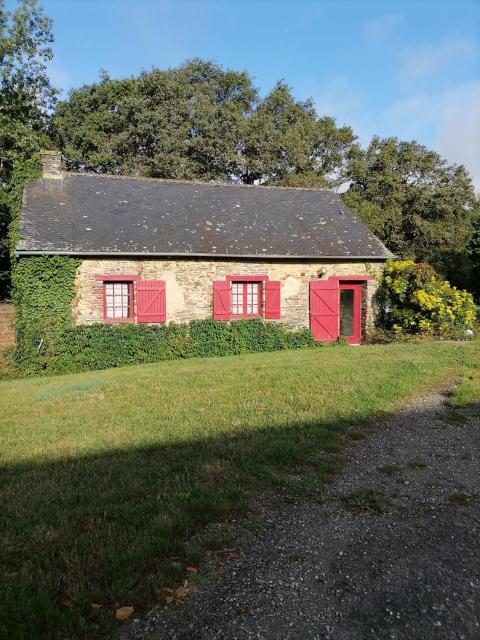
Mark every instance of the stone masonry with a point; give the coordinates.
(189, 288)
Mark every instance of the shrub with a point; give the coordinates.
(413, 299)
(102, 346)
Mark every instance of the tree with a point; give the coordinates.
(420, 206)
(285, 142)
(26, 96)
(179, 123)
(472, 280)
(199, 121)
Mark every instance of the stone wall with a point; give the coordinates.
(189, 289)
(7, 328)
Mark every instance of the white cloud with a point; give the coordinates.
(458, 133)
(420, 63)
(337, 98)
(453, 118)
(381, 28)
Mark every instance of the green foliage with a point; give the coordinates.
(23, 171)
(104, 346)
(421, 207)
(413, 299)
(199, 121)
(43, 289)
(26, 98)
(47, 341)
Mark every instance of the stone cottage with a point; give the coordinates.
(158, 251)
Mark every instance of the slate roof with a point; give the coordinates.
(106, 215)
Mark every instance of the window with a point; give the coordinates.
(246, 299)
(118, 301)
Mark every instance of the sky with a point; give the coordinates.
(407, 68)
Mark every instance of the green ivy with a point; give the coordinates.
(43, 290)
(47, 341)
(23, 172)
(103, 346)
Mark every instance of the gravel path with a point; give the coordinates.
(403, 564)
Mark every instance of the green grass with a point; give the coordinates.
(462, 499)
(104, 475)
(466, 391)
(368, 499)
(417, 463)
(391, 469)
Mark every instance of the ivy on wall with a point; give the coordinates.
(23, 172)
(43, 290)
(101, 346)
(43, 287)
(47, 341)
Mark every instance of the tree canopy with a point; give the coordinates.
(26, 96)
(200, 121)
(418, 204)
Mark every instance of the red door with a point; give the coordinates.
(350, 312)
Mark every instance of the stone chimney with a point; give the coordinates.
(52, 164)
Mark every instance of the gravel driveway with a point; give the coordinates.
(392, 549)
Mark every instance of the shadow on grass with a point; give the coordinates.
(98, 529)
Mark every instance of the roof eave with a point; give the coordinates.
(146, 254)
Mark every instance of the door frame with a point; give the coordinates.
(356, 338)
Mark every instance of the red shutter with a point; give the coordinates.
(222, 300)
(272, 299)
(325, 309)
(151, 304)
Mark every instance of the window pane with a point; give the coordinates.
(117, 300)
(237, 298)
(346, 312)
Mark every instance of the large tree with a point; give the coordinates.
(199, 121)
(26, 96)
(285, 142)
(418, 204)
(177, 123)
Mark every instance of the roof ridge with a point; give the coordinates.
(211, 183)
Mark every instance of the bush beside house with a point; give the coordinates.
(414, 300)
(104, 346)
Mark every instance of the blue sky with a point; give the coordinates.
(409, 69)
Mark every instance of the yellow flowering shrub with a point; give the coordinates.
(413, 299)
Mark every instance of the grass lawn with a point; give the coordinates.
(105, 474)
